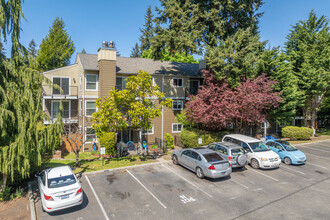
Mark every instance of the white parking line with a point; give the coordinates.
(97, 199)
(293, 170)
(264, 175)
(316, 165)
(147, 190)
(239, 183)
(326, 158)
(186, 180)
(328, 151)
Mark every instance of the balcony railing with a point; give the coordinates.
(69, 116)
(65, 92)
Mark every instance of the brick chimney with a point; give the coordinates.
(106, 59)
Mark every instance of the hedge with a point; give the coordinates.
(169, 141)
(297, 133)
(189, 137)
(108, 140)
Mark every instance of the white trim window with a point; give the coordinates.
(90, 135)
(55, 109)
(120, 83)
(149, 131)
(91, 82)
(63, 83)
(177, 105)
(177, 82)
(90, 108)
(80, 83)
(176, 127)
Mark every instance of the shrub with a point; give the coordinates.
(154, 146)
(189, 137)
(297, 133)
(5, 195)
(108, 140)
(169, 141)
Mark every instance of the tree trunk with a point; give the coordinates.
(77, 158)
(4, 182)
(313, 119)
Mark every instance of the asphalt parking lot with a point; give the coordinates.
(167, 191)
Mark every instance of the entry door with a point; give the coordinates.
(194, 85)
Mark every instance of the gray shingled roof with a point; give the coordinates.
(128, 65)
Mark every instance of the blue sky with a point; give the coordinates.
(90, 22)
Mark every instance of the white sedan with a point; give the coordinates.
(59, 189)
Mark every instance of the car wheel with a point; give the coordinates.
(254, 164)
(287, 161)
(175, 160)
(199, 173)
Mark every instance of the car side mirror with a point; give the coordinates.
(36, 175)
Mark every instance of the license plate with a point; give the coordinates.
(223, 173)
(65, 197)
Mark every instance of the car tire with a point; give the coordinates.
(254, 164)
(199, 173)
(287, 161)
(175, 160)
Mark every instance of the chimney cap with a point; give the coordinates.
(105, 44)
(111, 44)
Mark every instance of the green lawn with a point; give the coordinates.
(96, 164)
(319, 138)
(82, 155)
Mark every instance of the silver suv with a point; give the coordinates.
(236, 154)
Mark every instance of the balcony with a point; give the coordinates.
(66, 92)
(69, 117)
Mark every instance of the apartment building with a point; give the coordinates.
(93, 75)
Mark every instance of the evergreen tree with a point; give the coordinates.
(166, 55)
(147, 31)
(308, 50)
(136, 51)
(23, 138)
(56, 48)
(83, 51)
(236, 57)
(32, 48)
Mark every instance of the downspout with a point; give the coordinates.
(163, 115)
(83, 111)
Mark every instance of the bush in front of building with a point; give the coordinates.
(169, 141)
(108, 140)
(297, 133)
(189, 137)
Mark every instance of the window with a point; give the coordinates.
(212, 157)
(120, 83)
(90, 108)
(91, 82)
(194, 85)
(90, 135)
(176, 127)
(177, 105)
(148, 131)
(212, 146)
(43, 177)
(178, 82)
(55, 106)
(186, 153)
(61, 181)
(195, 155)
(63, 83)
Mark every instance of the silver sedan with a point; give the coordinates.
(203, 161)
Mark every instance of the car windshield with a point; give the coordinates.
(287, 146)
(238, 151)
(258, 147)
(212, 157)
(61, 181)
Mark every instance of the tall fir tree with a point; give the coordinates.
(32, 48)
(147, 31)
(83, 51)
(136, 52)
(56, 48)
(308, 50)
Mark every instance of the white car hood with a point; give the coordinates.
(266, 154)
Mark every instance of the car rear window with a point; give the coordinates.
(213, 157)
(238, 151)
(61, 181)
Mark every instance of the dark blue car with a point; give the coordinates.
(287, 152)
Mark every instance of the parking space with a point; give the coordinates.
(168, 191)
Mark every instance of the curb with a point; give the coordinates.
(127, 167)
(312, 142)
(31, 199)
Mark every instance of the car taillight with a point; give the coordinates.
(211, 167)
(229, 164)
(247, 157)
(48, 197)
(79, 191)
(230, 158)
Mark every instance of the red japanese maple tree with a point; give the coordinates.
(217, 106)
